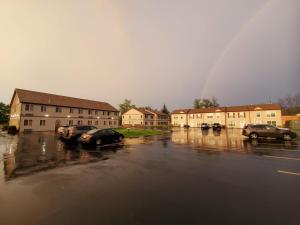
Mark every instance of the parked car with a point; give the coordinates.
(74, 132)
(254, 131)
(101, 137)
(205, 126)
(186, 126)
(217, 126)
(61, 130)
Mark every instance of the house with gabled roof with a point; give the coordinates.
(143, 117)
(38, 111)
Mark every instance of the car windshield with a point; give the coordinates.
(93, 131)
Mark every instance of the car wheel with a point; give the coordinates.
(253, 136)
(98, 142)
(287, 137)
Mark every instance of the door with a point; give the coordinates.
(57, 125)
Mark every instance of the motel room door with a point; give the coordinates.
(57, 125)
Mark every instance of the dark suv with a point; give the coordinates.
(74, 132)
(255, 131)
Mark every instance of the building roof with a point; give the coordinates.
(144, 111)
(156, 112)
(229, 109)
(34, 97)
(180, 111)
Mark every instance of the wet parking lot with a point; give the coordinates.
(185, 177)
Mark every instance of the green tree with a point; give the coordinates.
(125, 106)
(205, 103)
(4, 113)
(165, 109)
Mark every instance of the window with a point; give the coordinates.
(79, 122)
(42, 122)
(141, 116)
(28, 107)
(210, 115)
(116, 113)
(96, 123)
(90, 111)
(104, 122)
(110, 123)
(27, 122)
(231, 115)
(96, 112)
(103, 113)
(43, 108)
(58, 109)
(70, 122)
(258, 114)
(89, 122)
(115, 122)
(71, 110)
(80, 111)
(270, 114)
(241, 115)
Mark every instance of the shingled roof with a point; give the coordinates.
(34, 97)
(229, 109)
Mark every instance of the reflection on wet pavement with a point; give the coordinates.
(32, 152)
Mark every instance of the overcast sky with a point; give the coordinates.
(152, 51)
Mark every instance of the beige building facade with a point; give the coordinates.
(231, 117)
(144, 118)
(37, 111)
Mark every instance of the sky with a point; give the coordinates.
(152, 51)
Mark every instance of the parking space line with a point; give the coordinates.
(281, 157)
(287, 172)
(278, 149)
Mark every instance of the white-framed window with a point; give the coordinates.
(231, 115)
(27, 122)
(43, 108)
(242, 115)
(210, 115)
(271, 114)
(58, 109)
(258, 114)
(42, 123)
(28, 107)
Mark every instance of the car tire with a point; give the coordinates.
(287, 137)
(253, 136)
(98, 142)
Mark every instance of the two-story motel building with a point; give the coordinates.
(231, 117)
(37, 111)
(143, 117)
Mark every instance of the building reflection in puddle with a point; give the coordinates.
(219, 140)
(225, 140)
(33, 152)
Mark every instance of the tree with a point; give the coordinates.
(205, 103)
(125, 106)
(165, 109)
(4, 113)
(290, 104)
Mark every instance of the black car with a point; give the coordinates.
(216, 126)
(74, 132)
(204, 126)
(254, 131)
(101, 137)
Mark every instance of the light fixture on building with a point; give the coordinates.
(68, 116)
(98, 117)
(46, 115)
